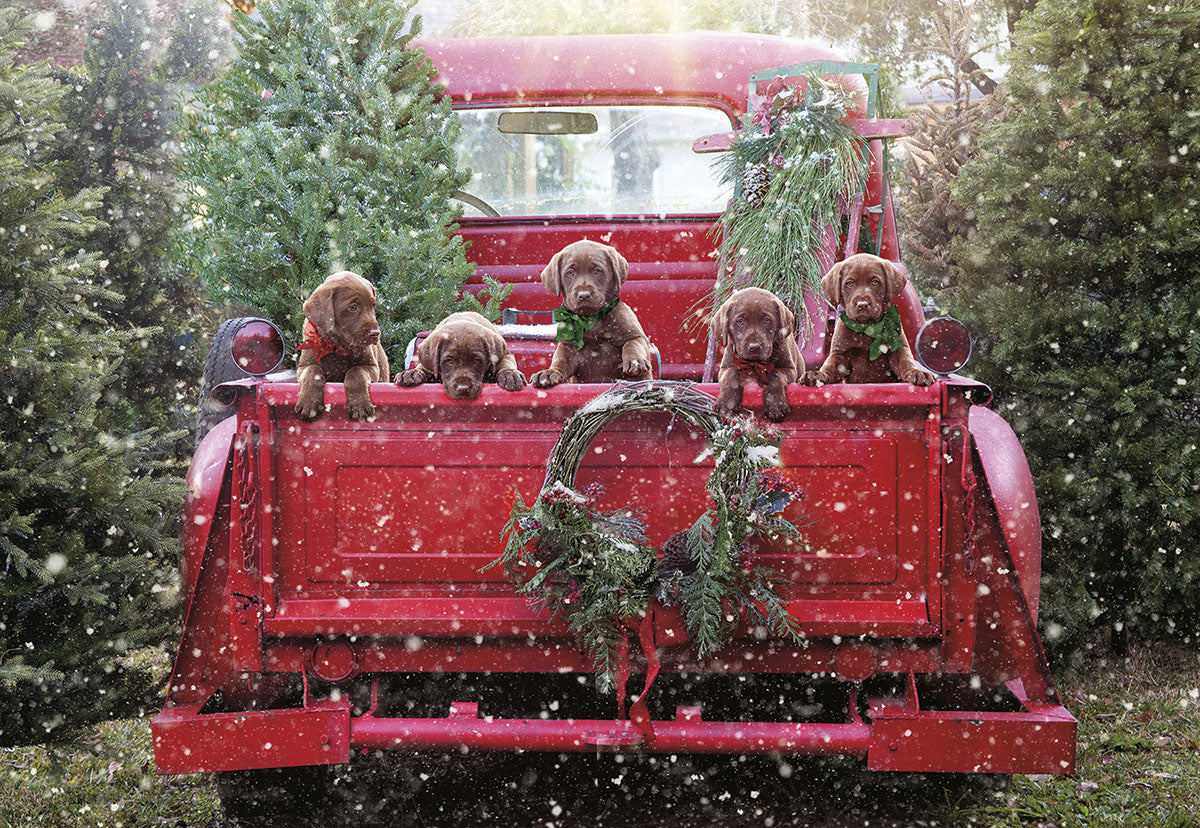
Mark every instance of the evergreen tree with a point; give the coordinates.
(945, 137)
(77, 527)
(1083, 276)
(322, 147)
(117, 113)
(199, 42)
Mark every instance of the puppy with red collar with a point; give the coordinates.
(868, 342)
(341, 344)
(758, 332)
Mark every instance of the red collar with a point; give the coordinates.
(761, 369)
(319, 345)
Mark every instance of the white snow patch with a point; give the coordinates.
(764, 455)
(559, 488)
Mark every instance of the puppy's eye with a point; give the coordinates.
(352, 307)
(570, 271)
(768, 321)
(739, 324)
(448, 360)
(875, 282)
(598, 270)
(849, 283)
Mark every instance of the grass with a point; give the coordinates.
(1139, 765)
(107, 780)
(1138, 751)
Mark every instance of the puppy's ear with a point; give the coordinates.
(618, 265)
(720, 321)
(831, 284)
(318, 309)
(787, 320)
(552, 275)
(429, 355)
(896, 279)
(494, 349)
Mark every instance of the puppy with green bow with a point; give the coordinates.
(868, 342)
(599, 336)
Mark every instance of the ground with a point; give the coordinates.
(1139, 741)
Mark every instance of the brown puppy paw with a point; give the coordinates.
(729, 404)
(918, 377)
(635, 367)
(776, 408)
(360, 409)
(546, 379)
(511, 380)
(310, 406)
(411, 377)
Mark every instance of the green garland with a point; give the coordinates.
(796, 165)
(596, 569)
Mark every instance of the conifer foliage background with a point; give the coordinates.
(81, 546)
(119, 114)
(1083, 276)
(323, 147)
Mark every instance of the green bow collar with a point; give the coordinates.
(572, 326)
(883, 331)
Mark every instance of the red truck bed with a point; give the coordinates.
(356, 551)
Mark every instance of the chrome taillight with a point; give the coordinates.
(943, 345)
(257, 347)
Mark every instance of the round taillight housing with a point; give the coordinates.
(943, 345)
(257, 347)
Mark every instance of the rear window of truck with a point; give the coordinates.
(593, 160)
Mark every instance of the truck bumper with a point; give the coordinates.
(1038, 739)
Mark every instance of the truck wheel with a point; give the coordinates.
(220, 367)
(275, 796)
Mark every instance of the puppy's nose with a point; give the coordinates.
(583, 294)
(754, 347)
(462, 387)
(862, 304)
(373, 333)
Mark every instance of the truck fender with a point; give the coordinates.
(1008, 478)
(205, 479)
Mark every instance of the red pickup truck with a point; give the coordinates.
(334, 571)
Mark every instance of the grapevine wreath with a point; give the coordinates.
(597, 570)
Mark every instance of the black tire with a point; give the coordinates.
(220, 367)
(275, 796)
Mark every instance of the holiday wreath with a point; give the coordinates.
(597, 570)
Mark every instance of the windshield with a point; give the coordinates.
(629, 160)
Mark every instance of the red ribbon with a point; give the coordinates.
(319, 345)
(761, 369)
(639, 712)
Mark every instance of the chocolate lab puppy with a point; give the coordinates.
(463, 351)
(868, 343)
(341, 344)
(599, 336)
(757, 331)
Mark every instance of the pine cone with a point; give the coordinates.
(755, 181)
(676, 555)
